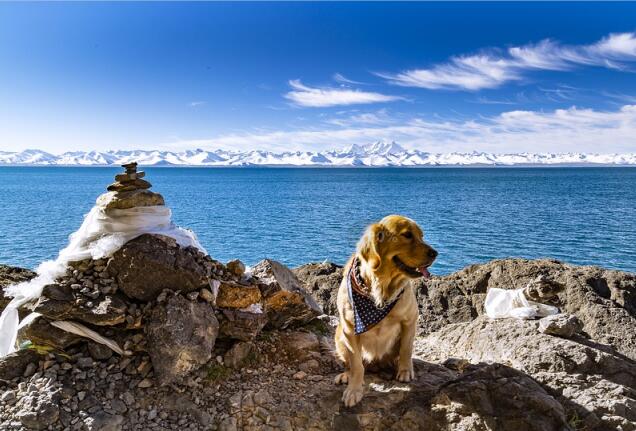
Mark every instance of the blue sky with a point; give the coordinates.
(310, 76)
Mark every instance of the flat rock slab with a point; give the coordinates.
(58, 303)
(129, 199)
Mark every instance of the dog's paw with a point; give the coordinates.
(352, 396)
(342, 378)
(405, 375)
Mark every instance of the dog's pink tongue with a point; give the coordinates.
(424, 271)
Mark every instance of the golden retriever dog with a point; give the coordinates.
(376, 302)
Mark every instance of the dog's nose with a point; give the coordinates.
(432, 253)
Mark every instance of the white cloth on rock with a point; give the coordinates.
(102, 233)
(503, 303)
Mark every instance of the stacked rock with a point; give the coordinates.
(129, 181)
(129, 191)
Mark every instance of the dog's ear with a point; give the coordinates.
(370, 243)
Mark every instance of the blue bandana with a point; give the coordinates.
(366, 313)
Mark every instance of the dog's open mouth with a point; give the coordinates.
(421, 271)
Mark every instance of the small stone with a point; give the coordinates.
(99, 352)
(206, 295)
(85, 362)
(8, 397)
(30, 369)
(145, 383)
(236, 267)
(81, 395)
(300, 375)
(562, 324)
(119, 406)
(237, 356)
(128, 398)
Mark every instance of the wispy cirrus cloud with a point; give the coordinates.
(562, 130)
(321, 97)
(493, 68)
(338, 77)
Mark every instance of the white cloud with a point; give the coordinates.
(493, 69)
(338, 77)
(196, 103)
(563, 130)
(314, 97)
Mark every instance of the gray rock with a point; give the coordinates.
(241, 325)
(603, 300)
(99, 352)
(11, 275)
(181, 335)
(148, 264)
(30, 369)
(322, 280)
(592, 383)
(236, 267)
(15, 364)
(38, 407)
(238, 355)
(39, 331)
(102, 421)
(562, 324)
(287, 303)
(58, 302)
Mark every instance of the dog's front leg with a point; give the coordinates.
(405, 371)
(353, 393)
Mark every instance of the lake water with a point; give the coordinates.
(296, 215)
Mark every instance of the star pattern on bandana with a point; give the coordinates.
(366, 313)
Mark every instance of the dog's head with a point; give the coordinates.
(393, 251)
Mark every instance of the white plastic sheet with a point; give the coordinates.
(101, 234)
(83, 331)
(503, 303)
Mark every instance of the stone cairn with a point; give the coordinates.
(170, 308)
(129, 181)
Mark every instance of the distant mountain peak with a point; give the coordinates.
(379, 153)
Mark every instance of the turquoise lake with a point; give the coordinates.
(299, 215)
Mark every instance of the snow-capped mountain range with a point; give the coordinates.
(380, 153)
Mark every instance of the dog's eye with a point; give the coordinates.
(408, 235)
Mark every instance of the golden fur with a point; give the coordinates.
(391, 340)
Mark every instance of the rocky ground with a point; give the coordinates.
(207, 346)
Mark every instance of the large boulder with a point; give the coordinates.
(594, 383)
(148, 264)
(322, 280)
(287, 303)
(180, 337)
(603, 300)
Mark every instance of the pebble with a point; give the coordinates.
(145, 383)
(30, 370)
(85, 362)
(300, 375)
(206, 295)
